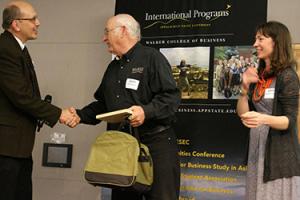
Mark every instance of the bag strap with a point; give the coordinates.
(135, 133)
(132, 130)
(143, 157)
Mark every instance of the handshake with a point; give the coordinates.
(69, 117)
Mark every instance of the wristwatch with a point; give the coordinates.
(243, 92)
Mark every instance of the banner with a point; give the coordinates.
(208, 44)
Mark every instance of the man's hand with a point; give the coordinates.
(138, 116)
(69, 117)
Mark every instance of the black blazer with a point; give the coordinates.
(20, 104)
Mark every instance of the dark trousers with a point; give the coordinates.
(15, 178)
(164, 151)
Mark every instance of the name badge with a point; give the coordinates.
(269, 93)
(132, 84)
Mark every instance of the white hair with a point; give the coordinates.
(130, 23)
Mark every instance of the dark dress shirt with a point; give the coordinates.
(141, 77)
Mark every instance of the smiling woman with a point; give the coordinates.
(270, 110)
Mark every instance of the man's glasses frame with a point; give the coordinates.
(32, 19)
(106, 30)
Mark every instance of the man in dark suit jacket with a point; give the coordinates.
(21, 105)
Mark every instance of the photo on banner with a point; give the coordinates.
(190, 68)
(229, 64)
(194, 36)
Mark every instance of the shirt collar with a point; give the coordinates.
(130, 53)
(22, 45)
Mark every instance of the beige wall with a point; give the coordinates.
(70, 60)
(287, 13)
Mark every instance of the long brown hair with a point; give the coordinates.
(282, 55)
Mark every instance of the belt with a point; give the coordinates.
(157, 129)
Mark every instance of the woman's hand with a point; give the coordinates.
(253, 119)
(249, 76)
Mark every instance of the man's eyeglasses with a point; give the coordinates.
(106, 30)
(33, 19)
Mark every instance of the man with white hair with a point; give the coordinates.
(140, 78)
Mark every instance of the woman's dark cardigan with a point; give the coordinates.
(282, 154)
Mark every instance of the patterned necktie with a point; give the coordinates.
(32, 74)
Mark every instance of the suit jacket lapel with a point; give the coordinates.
(32, 74)
(28, 68)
